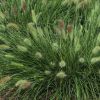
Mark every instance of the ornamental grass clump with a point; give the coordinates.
(45, 66)
(50, 51)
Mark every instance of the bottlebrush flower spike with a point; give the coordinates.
(23, 84)
(22, 48)
(61, 74)
(47, 72)
(23, 6)
(95, 60)
(81, 60)
(34, 18)
(83, 3)
(14, 10)
(69, 28)
(62, 63)
(27, 41)
(55, 46)
(52, 63)
(4, 47)
(38, 55)
(5, 79)
(12, 26)
(61, 24)
(99, 72)
(44, 2)
(17, 64)
(9, 55)
(32, 30)
(96, 51)
(64, 2)
(2, 17)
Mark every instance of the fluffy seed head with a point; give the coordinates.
(9, 56)
(4, 47)
(23, 5)
(32, 30)
(95, 60)
(52, 63)
(2, 17)
(12, 26)
(47, 72)
(81, 60)
(61, 75)
(38, 55)
(27, 42)
(17, 64)
(62, 63)
(61, 24)
(69, 28)
(22, 48)
(44, 2)
(23, 84)
(96, 50)
(99, 71)
(5, 79)
(34, 19)
(55, 46)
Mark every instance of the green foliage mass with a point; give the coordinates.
(50, 50)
